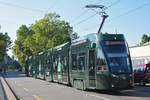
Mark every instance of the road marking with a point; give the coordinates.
(36, 97)
(100, 97)
(26, 89)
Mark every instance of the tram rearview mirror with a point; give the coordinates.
(93, 45)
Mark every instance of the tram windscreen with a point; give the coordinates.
(116, 53)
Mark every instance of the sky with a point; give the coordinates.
(128, 17)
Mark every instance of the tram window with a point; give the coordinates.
(81, 62)
(74, 61)
(65, 61)
(40, 66)
(59, 65)
(55, 65)
(29, 66)
(101, 63)
(64, 64)
(33, 66)
(47, 63)
(81, 54)
(37, 67)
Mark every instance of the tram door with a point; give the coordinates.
(91, 68)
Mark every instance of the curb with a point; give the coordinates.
(8, 91)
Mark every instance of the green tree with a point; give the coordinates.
(46, 29)
(40, 36)
(5, 44)
(59, 39)
(75, 36)
(144, 39)
(22, 44)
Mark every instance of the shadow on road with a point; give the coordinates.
(137, 91)
(14, 74)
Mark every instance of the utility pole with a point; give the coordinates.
(102, 13)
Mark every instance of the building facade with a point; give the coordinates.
(140, 54)
(5, 62)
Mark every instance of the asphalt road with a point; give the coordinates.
(2, 92)
(27, 88)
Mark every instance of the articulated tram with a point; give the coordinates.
(95, 61)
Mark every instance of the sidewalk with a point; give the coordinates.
(2, 92)
(5, 91)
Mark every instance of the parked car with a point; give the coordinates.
(142, 73)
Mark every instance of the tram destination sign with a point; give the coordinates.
(114, 43)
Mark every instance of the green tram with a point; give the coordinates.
(96, 61)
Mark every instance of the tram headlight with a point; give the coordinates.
(114, 76)
(112, 85)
